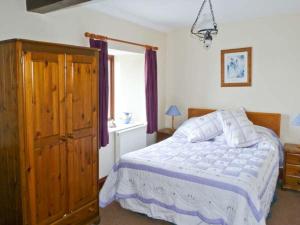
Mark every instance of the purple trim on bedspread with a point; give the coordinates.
(118, 196)
(195, 179)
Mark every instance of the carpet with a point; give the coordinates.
(285, 211)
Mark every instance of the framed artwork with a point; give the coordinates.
(236, 67)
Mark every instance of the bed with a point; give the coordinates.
(200, 183)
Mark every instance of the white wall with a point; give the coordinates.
(68, 26)
(107, 157)
(130, 86)
(193, 74)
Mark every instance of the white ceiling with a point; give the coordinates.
(165, 15)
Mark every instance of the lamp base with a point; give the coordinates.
(173, 123)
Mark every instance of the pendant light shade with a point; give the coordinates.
(205, 34)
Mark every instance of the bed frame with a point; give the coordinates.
(269, 120)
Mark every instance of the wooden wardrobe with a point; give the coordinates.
(48, 134)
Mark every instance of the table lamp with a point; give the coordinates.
(173, 111)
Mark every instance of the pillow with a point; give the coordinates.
(201, 128)
(238, 129)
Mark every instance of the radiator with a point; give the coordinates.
(128, 140)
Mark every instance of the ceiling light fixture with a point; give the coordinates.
(205, 34)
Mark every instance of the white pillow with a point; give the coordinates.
(201, 128)
(238, 129)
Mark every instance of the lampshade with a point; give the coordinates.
(296, 121)
(173, 111)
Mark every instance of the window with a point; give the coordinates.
(126, 86)
(111, 84)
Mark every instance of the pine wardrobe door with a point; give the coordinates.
(45, 136)
(82, 123)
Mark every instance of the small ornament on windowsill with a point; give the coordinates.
(173, 111)
(205, 33)
(112, 123)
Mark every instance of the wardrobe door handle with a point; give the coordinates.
(71, 136)
(63, 138)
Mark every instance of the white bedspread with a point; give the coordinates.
(198, 183)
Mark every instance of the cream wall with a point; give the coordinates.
(193, 73)
(68, 26)
(188, 75)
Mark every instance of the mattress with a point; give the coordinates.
(198, 183)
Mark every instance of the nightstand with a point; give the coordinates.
(291, 177)
(164, 134)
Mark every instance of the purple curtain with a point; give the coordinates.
(151, 90)
(103, 90)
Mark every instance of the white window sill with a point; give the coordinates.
(125, 126)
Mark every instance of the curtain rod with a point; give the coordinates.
(101, 37)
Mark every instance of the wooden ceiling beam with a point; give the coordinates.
(45, 6)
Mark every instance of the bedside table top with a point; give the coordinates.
(292, 148)
(166, 131)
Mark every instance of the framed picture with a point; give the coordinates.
(236, 67)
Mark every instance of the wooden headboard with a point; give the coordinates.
(269, 120)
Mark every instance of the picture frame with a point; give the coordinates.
(236, 67)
